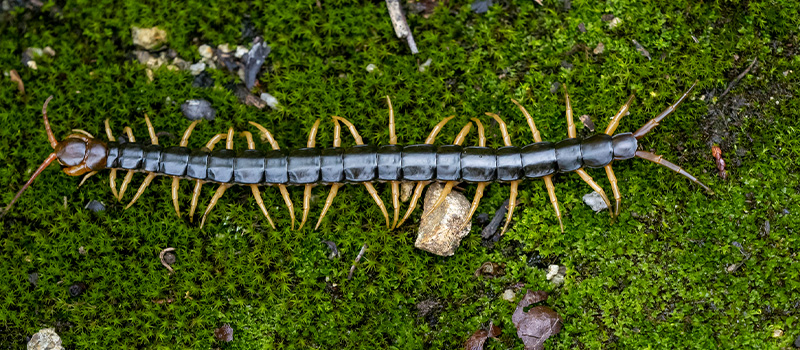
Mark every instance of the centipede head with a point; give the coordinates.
(78, 154)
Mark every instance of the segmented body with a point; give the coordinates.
(80, 153)
(369, 163)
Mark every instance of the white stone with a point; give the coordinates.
(371, 67)
(224, 48)
(148, 38)
(32, 65)
(595, 201)
(271, 101)
(614, 22)
(508, 295)
(45, 339)
(425, 65)
(439, 230)
(197, 68)
(206, 51)
(240, 51)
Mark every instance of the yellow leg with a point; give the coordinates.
(614, 188)
(85, 177)
(176, 182)
(195, 197)
(548, 180)
(512, 202)
(328, 202)
(312, 136)
(129, 174)
(475, 201)
(112, 177)
(260, 201)
(147, 180)
(571, 130)
(395, 184)
(414, 199)
(266, 135)
(614, 123)
(150, 130)
(288, 200)
(588, 179)
(450, 184)
(217, 196)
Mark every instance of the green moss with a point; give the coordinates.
(656, 277)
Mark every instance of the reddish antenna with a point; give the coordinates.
(50, 158)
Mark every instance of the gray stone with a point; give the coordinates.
(594, 201)
(148, 38)
(198, 109)
(438, 231)
(45, 339)
(271, 101)
(197, 68)
(253, 61)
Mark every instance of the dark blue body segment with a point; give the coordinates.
(538, 159)
(568, 155)
(112, 159)
(248, 167)
(174, 161)
(597, 151)
(448, 163)
(198, 164)
(277, 166)
(332, 165)
(509, 164)
(303, 166)
(220, 166)
(419, 162)
(624, 146)
(390, 158)
(478, 164)
(152, 156)
(131, 155)
(360, 163)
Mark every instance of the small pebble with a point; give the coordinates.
(224, 48)
(567, 65)
(196, 68)
(198, 109)
(49, 51)
(271, 101)
(203, 80)
(148, 38)
(95, 206)
(777, 333)
(32, 65)
(599, 49)
(582, 28)
(595, 201)
(180, 63)
(614, 22)
(371, 68)
(508, 295)
(240, 51)
(45, 339)
(33, 279)
(81, 250)
(481, 6)
(607, 17)
(224, 333)
(425, 65)
(77, 289)
(555, 274)
(554, 87)
(206, 51)
(797, 342)
(169, 258)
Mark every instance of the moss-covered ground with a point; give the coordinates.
(658, 277)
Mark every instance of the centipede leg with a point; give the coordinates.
(328, 202)
(669, 165)
(450, 184)
(475, 201)
(145, 183)
(176, 181)
(337, 141)
(150, 176)
(222, 187)
(266, 135)
(129, 174)
(588, 179)
(112, 178)
(414, 199)
(571, 130)
(254, 188)
(614, 123)
(217, 196)
(312, 135)
(395, 184)
(512, 203)
(370, 188)
(614, 188)
(85, 177)
(195, 197)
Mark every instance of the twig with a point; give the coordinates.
(400, 25)
(161, 257)
(358, 257)
(739, 77)
(15, 78)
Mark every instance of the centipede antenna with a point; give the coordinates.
(671, 166)
(50, 137)
(652, 123)
(548, 180)
(36, 173)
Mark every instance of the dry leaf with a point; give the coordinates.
(538, 324)
(475, 342)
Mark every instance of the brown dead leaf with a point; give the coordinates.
(475, 342)
(15, 78)
(538, 324)
(489, 269)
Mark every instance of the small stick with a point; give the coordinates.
(358, 257)
(739, 77)
(400, 25)
(161, 257)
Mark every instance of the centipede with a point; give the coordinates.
(81, 154)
